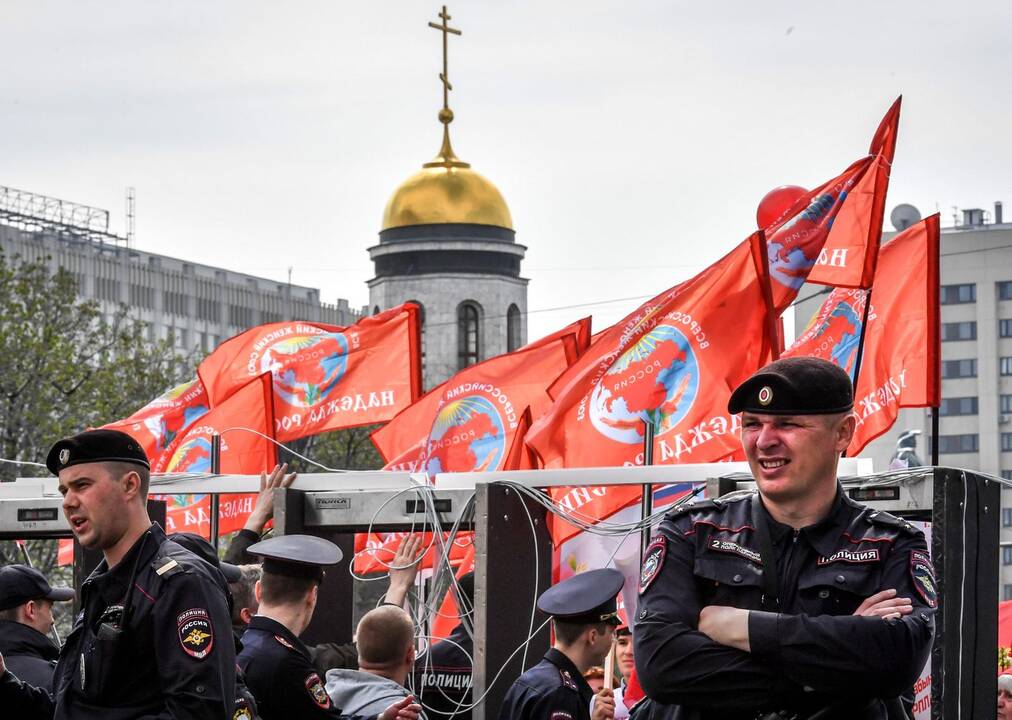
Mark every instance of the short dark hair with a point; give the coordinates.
(243, 589)
(568, 633)
(284, 590)
(383, 636)
(120, 469)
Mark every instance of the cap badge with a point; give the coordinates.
(765, 395)
(64, 456)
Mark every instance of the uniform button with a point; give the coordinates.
(201, 689)
(823, 594)
(737, 578)
(643, 614)
(841, 579)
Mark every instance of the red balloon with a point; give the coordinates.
(775, 203)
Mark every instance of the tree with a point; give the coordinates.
(348, 449)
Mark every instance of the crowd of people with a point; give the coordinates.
(793, 602)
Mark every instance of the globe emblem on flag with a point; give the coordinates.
(658, 376)
(164, 428)
(789, 263)
(194, 455)
(306, 368)
(468, 436)
(844, 325)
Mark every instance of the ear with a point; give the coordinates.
(314, 595)
(246, 614)
(256, 592)
(28, 610)
(132, 484)
(845, 432)
(410, 659)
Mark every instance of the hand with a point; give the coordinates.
(406, 709)
(725, 625)
(263, 511)
(403, 569)
(604, 705)
(885, 605)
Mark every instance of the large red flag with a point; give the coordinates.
(471, 422)
(900, 364)
(158, 423)
(325, 377)
(831, 235)
(676, 359)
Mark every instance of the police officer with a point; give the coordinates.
(443, 674)
(796, 599)
(26, 619)
(584, 617)
(276, 663)
(152, 639)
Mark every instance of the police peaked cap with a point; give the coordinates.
(795, 386)
(586, 598)
(299, 556)
(96, 446)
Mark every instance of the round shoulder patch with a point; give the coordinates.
(196, 636)
(316, 691)
(653, 561)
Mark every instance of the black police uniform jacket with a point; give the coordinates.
(811, 654)
(173, 658)
(551, 690)
(28, 653)
(280, 674)
(443, 677)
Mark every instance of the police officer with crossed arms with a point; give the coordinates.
(796, 600)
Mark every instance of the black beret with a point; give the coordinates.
(300, 556)
(588, 597)
(96, 446)
(795, 386)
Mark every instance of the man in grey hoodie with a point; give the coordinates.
(386, 657)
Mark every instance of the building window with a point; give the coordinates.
(958, 406)
(1005, 328)
(468, 334)
(959, 368)
(1005, 290)
(955, 294)
(376, 310)
(174, 302)
(1005, 365)
(1006, 442)
(142, 296)
(1006, 556)
(959, 331)
(951, 444)
(1005, 404)
(1006, 517)
(207, 309)
(513, 336)
(107, 289)
(240, 316)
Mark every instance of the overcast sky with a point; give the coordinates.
(632, 140)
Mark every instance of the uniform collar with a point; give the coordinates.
(20, 639)
(823, 535)
(142, 551)
(273, 627)
(560, 660)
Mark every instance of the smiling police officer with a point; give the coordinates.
(795, 599)
(153, 638)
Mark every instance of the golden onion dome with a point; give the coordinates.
(446, 190)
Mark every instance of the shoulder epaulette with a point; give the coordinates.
(881, 517)
(711, 504)
(165, 566)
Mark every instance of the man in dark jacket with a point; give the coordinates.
(26, 619)
(443, 674)
(795, 599)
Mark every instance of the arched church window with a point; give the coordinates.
(514, 337)
(376, 310)
(468, 334)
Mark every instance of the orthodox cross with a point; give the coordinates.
(446, 115)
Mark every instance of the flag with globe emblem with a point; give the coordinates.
(831, 235)
(324, 377)
(156, 425)
(674, 362)
(900, 365)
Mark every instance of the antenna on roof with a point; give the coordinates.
(903, 216)
(131, 215)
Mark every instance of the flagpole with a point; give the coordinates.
(647, 503)
(860, 344)
(215, 469)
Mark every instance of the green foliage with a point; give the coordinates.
(64, 367)
(349, 449)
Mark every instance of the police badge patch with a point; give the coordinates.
(196, 635)
(317, 691)
(653, 560)
(923, 575)
(242, 713)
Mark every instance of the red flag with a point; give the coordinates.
(831, 235)
(471, 422)
(325, 377)
(900, 365)
(676, 358)
(158, 423)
